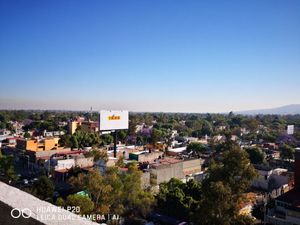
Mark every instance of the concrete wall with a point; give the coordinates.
(49, 153)
(65, 164)
(149, 157)
(145, 180)
(164, 172)
(84, 162)
(192, 166)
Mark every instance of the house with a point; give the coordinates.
(165, 169)
(275, 181)
(287, 206)
(43, 144)
(145, 156)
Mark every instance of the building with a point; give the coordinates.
(38, 144)
(287, 206)
(4, 134)
(165, 169)
(275, 181)
(145, 156)
(53, 133)
(72, 127)
(176, 151)
(90, 126)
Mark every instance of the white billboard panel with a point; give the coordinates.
(290, 129)
(113, 120)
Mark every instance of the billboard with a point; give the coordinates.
(290, 129)
(113, 120)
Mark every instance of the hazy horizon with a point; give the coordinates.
(149, 56)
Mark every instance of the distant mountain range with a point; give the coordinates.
(283, 110)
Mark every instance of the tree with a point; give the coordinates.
(107, 139)
(178, 199)
(74, 142)
(225, 184)
(287, 152)
(7, 168)
(43, 188)
(206, 128)
(136, 202)
(97, 154)
(234, 169)
(100, 192)
(115, 192)
(26, 135)
(65, 140)
(196, 147)
(217, 206)
(83, 202)
(60, 202)
(156, 135)
(122, 135)
(256, 155)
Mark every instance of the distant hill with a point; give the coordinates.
(283, 110)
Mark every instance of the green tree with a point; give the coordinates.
(43, 188)
(83, 202)
(225, 184)
(156, 135)
(178, 199)
(115, 192)
(196, 147)
(206, 128)
(217, 206)
(7, 168)
(60, 202)
(97, 154)
(74, 142)
(107, 139)
(65, 140)
(26, 135)
(256, 155)
(137, 202)
(287, 152)
(100, 191)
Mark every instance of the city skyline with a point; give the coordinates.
(153, 56)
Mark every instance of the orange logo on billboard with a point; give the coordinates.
(113, 117)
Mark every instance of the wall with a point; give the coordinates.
(150, 157)
(84, 162)
(192, 166)
(65, 164)
(163, 173)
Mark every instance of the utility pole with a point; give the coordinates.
(115, 143)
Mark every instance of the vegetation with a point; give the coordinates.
(198, 148)
(84, 203)
(214, 201)
(43, 188)
(287, 152)
(256, 155)
(7, 170)
(225, 185)
(179, 199)
(116, 193)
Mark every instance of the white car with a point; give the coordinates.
(25, 181)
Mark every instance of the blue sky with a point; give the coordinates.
(149, 55)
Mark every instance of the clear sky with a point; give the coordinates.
(149, 55)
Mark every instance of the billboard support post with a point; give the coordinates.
(115, 144)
